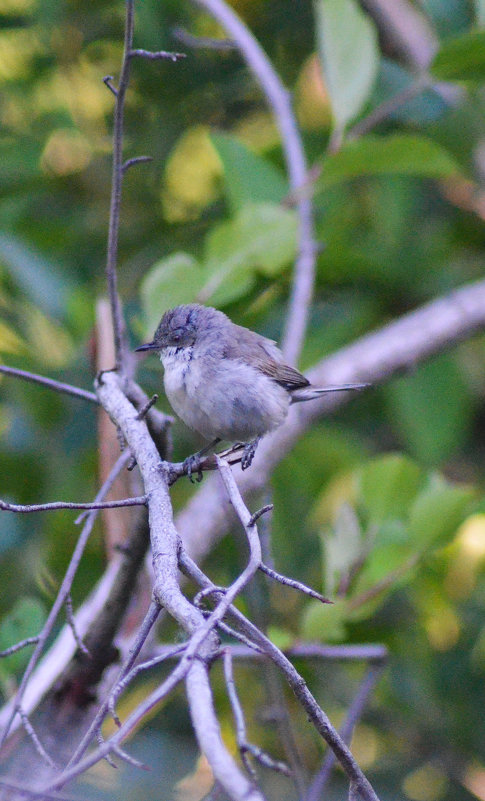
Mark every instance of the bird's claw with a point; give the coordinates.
(248, 453)
(192, 465)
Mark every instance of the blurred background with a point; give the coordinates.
(381, 505)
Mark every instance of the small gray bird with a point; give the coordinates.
(225, 381)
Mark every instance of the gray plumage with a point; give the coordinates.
(223, 380)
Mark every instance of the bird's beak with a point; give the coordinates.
(148, 346)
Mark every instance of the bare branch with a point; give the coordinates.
(147, 406)
(10, 709)
(142, 634)
(30, 792)
(315, 714)
(116, 184)
(123, 683)
(107, 80)
(18, 646)
(29, 729)
(72, 625)
(157, 55)
(136, 160)
(297, 585)
(57, 386)
(316, 791)
(279, 101)
(244, 746)
(373, 358)
(49, 507)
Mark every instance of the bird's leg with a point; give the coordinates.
(248, 453)
(192, 463)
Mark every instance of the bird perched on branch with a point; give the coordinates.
(225, 381)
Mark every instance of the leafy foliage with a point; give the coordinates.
(382, 507)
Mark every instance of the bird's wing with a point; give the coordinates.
(264, 355)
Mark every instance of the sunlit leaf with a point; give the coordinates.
(249, 178)
(461, 58)
(347, 43)
(342, 547)
(397, 154)
(261, 236)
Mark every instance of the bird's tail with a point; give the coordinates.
(310, 393)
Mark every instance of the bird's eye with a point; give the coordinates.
(177, 335)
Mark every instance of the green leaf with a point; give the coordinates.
(397, 154)
(249, 178)
(171, 281)
(388, 486)
(387, 567)
(437, 513)
(324, 622)
(342, 547)
(24, 620)
(348, 48)
(461, 58)
(260, 237)
(431, 409)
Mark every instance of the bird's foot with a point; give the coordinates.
(248, 453)
(191, 465)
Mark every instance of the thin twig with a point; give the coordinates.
(49, 507)
(244, 746)
(130, 760)
(116, 186)
(146, 408)
(73, 627)
(315, 713)
(123, 683)
(156, 55)
(30, 792)
(316, 791)
(18, 646)
(107, 80)
(135, 160)
(279, 100)
(142, 634)
(297, 585)
(65, 588)
(51, 383)
(30, 731)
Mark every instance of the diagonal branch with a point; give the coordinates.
(57, 386)
(375, 358)
(279, 100)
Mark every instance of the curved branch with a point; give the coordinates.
(375, 358)
(280, 102)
